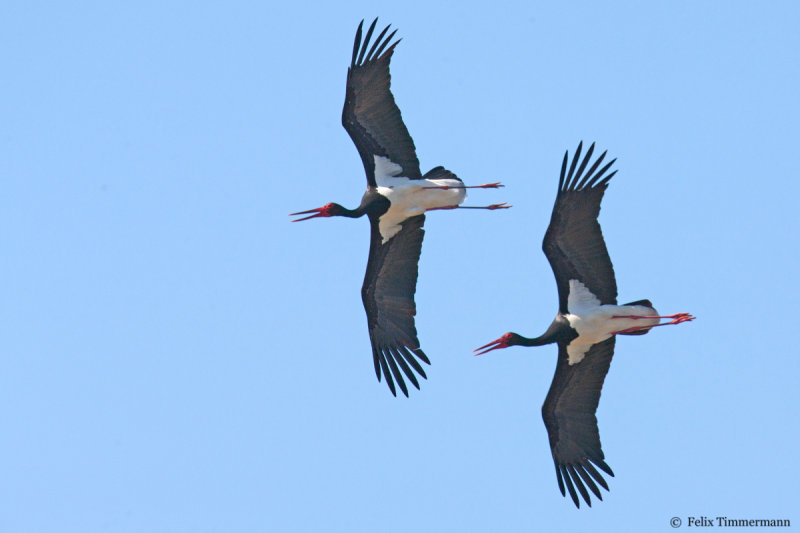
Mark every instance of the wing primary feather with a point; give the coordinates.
(356, 43)
(560, 479)
(398, 377)
(377, 42)
(379, 51)
(570, 488)
(596, 164)
(602, 171)
(596, 179)
(419, 353)
(586, 159)
(376, 357)
(366, 40)
(386, 373)
(588, 481)
(605, 180)
(579, 485)
(596, 475)
(603, 466)
(563, 172)
(590, 182)
(404, 367)
(574, 162)
(412, 361)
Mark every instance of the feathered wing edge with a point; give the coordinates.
(572, 181)
(573, 242)
(370, 114)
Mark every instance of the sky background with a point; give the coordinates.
(175, 356)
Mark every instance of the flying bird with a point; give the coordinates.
(396, 199)
(585, 327)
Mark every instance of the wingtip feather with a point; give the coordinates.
(412, 361)
(401, 362)
(563, 171)
(595, 165)
(570, 181)
(366, 40)
(570, 487)
(560, 480)
(388, 375)
(357, 43)
(585, 161)
(398, 378)
(378, 41)
(596, 475)
(603, 466)
(587, 480)
(419, 353)
(579, 484)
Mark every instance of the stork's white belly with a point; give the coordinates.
(595, 323)
(409, 197)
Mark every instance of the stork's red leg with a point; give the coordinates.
(490, 207)
(637, 317)
(495, 185)
(677, 319)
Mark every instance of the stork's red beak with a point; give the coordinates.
(320, 212)
(502, 342)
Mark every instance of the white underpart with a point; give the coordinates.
(409, 197)
(594, 322)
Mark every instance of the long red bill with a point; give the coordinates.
(318, 211)
(495, 345)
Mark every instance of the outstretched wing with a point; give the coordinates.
(569, 415)
(388, 295)
(370, 115)
(574, 243)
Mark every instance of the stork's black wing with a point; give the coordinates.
(569, 415)
(574, 243)
(388, 295)
(370, 115)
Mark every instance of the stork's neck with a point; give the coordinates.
(358, 212)
(559, 330)
(536, 341)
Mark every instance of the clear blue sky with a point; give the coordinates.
(175, 356)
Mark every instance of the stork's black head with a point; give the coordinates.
(509, 339)
(327, 210)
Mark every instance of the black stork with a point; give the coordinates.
(396, 199)
(585, 327)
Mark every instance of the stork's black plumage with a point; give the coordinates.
(585, 327)
(395, 202)
(388, 296)
(569, 416)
